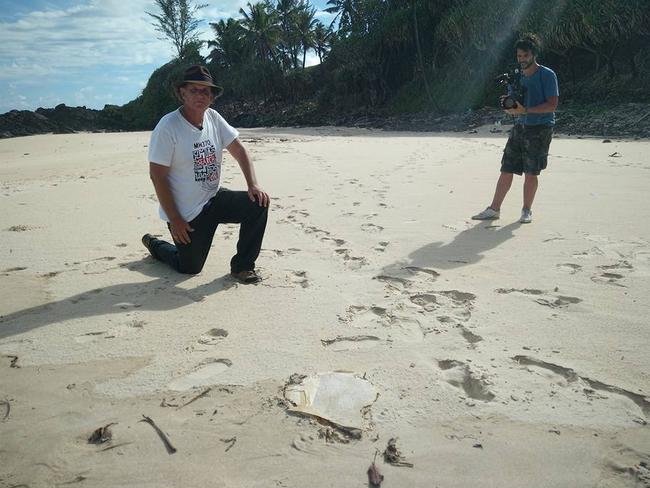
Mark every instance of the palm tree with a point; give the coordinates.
(322, 40)
(305, 25)
(345, 10)
(290, 44)
(228, 47)
(261, 30)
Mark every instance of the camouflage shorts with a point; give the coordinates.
(527, 149)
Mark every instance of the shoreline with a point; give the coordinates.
(624, 121)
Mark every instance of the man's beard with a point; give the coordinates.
(526, 64)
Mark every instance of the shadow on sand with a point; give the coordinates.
(465, 249)
(159, 294)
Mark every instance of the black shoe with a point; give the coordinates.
(147, 239)
(247, 277)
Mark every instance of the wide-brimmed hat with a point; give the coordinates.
(199, 75)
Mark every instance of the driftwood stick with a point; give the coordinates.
(168, 445)
(116, 445)
(200, 395)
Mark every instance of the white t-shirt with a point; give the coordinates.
(194, 158)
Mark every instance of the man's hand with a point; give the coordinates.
(518, 110)
(260, 196)
(180, 230)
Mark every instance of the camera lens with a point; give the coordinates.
(508, 103)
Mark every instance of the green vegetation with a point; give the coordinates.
(386, 57)
(177, 22)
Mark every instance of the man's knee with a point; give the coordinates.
(258, 210)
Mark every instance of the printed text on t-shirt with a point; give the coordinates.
(205, 161)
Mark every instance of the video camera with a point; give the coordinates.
(516, 92)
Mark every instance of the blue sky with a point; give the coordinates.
(86, 52)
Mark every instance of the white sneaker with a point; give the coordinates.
(526, 216)
(487, 214)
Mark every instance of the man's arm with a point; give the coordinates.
(239, 152)
(180, 229)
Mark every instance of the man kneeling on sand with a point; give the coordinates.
(185, 155)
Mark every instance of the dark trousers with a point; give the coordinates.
(226, 207)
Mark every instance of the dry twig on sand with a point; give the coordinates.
(230, 442)
(116, 445)
(200, 395)
(163, 437)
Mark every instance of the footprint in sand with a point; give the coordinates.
(471, 338)
(351, 343)
(368, 227)
(415, 271)
(567, 377)
(612, 273)
(381, 246)
(272, 252)
(405, 329)
(360, 316)
(227, 234)
(352, 262)
(394, 283)
(279, 253)
(207, 373)
(589, 253)
(335, 241)
(558, 302)
(524, 291)
(459, 374)
(427, 301)
(458, 303)
(299, 278)
(213, 337)
(115, 332)
(552, 301)
(608, 279)
(571, 268)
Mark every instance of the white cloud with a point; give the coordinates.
(47, 55)
(99, 32)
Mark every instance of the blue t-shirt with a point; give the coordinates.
(539, 87)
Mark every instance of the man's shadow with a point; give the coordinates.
(159, 294)
(465, 249)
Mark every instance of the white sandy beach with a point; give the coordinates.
(503, 355)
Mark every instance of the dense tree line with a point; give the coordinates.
(411, 55)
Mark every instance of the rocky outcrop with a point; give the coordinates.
(623, 120)
(60, 120)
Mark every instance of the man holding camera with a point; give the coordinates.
(527, 148)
